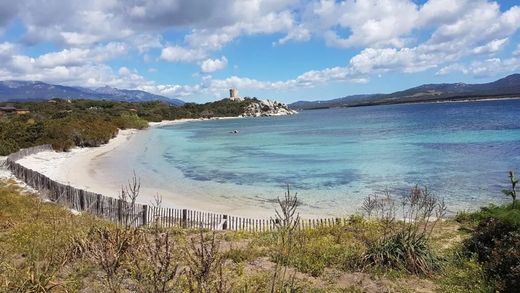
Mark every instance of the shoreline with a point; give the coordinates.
(418, 103)
(77, 168)
(97, 169)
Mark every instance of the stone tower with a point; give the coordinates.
(233, 95)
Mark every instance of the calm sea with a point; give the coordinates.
(333, 158)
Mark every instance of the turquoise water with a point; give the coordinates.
(334, 158)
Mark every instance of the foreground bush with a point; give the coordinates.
(44, 248)
(496, 244)
(506, 213)
(405, 240)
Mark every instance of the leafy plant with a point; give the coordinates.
(496, 243)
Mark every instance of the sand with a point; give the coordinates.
(78, 169)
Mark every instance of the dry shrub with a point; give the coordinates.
(156, 262)
(287, 221)
(111, 248)
(405, 240)
(206, 271)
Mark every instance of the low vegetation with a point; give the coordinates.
(399, 244)
(45, 248)
(405, 240)
(495, 241)
(65, 124)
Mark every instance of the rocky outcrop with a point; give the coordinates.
(263, 108)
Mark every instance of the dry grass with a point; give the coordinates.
(44, 248)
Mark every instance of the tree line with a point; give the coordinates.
(87, 123)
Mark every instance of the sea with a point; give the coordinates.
(332, 158)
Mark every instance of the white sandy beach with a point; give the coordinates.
(78, 168)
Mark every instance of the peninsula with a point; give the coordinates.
(505, 88)
(62, 122)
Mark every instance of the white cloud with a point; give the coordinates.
(172, 90)
(517, 51)
(297, 34)
(434, 12)
(78, 56)
(145, 42)
(78, 39)
(408, 60)
(214, 39)
(448, 43)
(386, 35)
(400, 23)
(491, 47)
(211, 65)
(307, 79)
(6, 51)
(180, 54)
(371, 22)
(484, 68)
(85, 22)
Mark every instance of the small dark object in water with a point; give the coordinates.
(234, 131)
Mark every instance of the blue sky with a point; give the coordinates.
(280, 49)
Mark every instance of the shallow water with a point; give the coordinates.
(332, 158)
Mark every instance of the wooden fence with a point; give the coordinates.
(122, 212)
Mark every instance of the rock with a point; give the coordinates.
(264, 108)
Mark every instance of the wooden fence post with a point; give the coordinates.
(225, 224)
(184, 218)
(145, 215)
(99, 205)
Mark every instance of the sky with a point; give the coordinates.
(286, 50)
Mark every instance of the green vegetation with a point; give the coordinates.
(405, 240)
(44, 248)
(66, 124)
(494, 243)
(400, 244)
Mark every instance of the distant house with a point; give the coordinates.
(7, 109)
(4, 110)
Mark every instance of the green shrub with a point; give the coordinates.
(405, 240)
(403, 251)
(462, 274)
(128, 121)
(496, 244)
(508, 213)
(8, 146)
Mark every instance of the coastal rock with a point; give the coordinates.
(264, 108)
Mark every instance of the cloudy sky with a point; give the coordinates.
(285, 49)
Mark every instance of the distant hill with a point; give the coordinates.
(13, 90)
(328, 103)
(506, 87)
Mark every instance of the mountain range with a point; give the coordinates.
(506, 87)
(15, 90)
